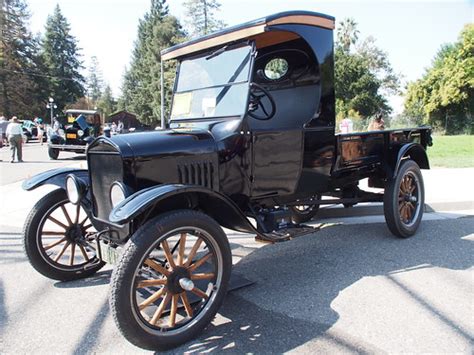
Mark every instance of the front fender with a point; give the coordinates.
(54, 177)
(216, 205)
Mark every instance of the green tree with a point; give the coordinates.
(141, 91)
(444, 95)
(201, 16)
(62, 61)
(20, 81)
(94, 81)
(363, 76)
(106, 102)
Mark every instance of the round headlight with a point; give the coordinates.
(117, 193)
(74, 188)
(80, 133)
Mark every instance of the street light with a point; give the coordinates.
(52, 106)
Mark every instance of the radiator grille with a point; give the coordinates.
(199, 173)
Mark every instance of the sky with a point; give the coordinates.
(411, 32)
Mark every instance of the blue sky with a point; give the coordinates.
(409, 31)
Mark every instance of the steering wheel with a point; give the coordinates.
(256, 102)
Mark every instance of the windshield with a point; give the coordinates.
(214, 87)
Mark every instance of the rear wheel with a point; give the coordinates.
(58, 239)
(171, 279)
(53, 153)
(404, 199)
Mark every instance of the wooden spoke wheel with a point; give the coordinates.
(404, 200)
(58, 239)
(171, 279)
(304, 213)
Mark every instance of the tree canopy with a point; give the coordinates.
(141, 92)
(62, 60)
(201, 18)
(21, 82)
(444, 95)
(363, 75)
(94, 81)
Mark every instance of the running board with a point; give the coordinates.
(285, 234)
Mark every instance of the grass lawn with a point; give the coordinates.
(452, 152)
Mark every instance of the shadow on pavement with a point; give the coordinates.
(100, 278)
(296, 282)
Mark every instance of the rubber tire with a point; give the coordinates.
(298, 217)
(53, 153)
(122, 278)
(30, 241)
(390, 201)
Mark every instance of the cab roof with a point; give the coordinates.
(84, 112)
(250, 30)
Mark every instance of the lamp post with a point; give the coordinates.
(52, 106)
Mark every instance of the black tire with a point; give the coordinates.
(404, 200)
(53, 153)
(127, 289)
(35, 237)
(304, 213)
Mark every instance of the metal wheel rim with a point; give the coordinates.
(203, 308)
(85, 253)
(408, 189)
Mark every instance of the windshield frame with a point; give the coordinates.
(232, 46)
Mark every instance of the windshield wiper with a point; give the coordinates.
(217, 52)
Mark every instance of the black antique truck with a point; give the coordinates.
(250, 146)
(81, 128)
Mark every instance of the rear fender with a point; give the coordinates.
(55, 177)
(167, 197)
(415, 152)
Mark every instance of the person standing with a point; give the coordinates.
(13, 133)
(3, 130)
(40, 128)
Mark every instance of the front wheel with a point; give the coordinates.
(58, 239)
(170, 280)
(404, 200)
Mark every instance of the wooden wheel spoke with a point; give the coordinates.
(160, 309)
(187, 306)
(157, 267)
(66, 214)
(87, 226)
(168, 254)
(174, 310)
(61, 252)
(193, 252)
(202, 276)
(200, 262)
(84, 252)
(52, 233)
(148, 283)
(182, 247)
(52, 219)
(199, 293)
(84, 220)
(152, 299)
(49, 246)
(73, 252)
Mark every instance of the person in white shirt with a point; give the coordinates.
(13, 133)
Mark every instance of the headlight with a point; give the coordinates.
(75, 189)
(80, 133)
(118, 193)
(61, 132)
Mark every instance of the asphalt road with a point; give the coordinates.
(346, 288)
(36, 160)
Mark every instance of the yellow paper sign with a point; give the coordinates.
(182, 104)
